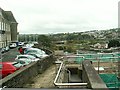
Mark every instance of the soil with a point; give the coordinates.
(44, 80)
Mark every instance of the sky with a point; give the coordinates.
(62, 16)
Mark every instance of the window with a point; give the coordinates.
(21, 57)
(22, 62)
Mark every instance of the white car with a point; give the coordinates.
(21, 43)
(13, 45)
(36, 52)
(30, 57)
(23, 61)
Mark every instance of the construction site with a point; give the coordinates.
(83, 71)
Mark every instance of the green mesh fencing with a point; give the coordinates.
(102, 57)
(79, 59)
(111, 80)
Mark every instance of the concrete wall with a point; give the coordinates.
(90, 76)
(25, 74)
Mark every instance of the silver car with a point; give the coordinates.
(30, 57)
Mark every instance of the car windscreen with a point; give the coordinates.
(16, 64)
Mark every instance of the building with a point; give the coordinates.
(98, 45)
(8, 28)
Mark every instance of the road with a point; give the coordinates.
(10, 55)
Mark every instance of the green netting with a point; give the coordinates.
(79, 59)
(111, 80)
(96, 57)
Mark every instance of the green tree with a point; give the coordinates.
(113, 43)
(44, 41)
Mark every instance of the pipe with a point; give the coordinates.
(66, 84)
(71, 84)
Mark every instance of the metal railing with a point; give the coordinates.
(65, 84)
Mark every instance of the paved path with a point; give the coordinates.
(10, 55)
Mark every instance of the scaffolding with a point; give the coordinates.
(111, 61)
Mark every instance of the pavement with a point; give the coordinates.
(10, 55)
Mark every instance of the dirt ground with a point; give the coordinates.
(44, 80)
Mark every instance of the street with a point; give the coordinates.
(10, 55)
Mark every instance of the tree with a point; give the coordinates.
(113, 43)
(44, 41)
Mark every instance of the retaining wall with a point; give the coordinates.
(22, 76)
(90, 76)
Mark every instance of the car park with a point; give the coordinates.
(7, 68)
(30, 57)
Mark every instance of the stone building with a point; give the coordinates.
(8, 28)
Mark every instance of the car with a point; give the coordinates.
(20, 43)
(7, 48)
(13, 45)
(38, 53)
(7, 68)
(23, 61)
(2, 50)
(32, 50)
(32, 58)
(29, 45)
(24, 48)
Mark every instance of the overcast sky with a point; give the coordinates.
(62, 16)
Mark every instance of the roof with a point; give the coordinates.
(8, 15)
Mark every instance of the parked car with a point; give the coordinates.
(20, 43)
(30, 57)
(29, 45)
(7, 68)
(13, 45)
(37, 55)
(2, 50)
(25, 49)
(23, 61)
(5, 49)
(36, 52)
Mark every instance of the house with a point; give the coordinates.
(100, 46)
(8, 28)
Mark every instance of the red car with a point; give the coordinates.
(7, 68)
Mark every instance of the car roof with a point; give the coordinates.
(34, 49)
(24, 55)
(5, 62)
(8, 62)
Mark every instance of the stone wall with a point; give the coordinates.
(25, 74)
(90, 76)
